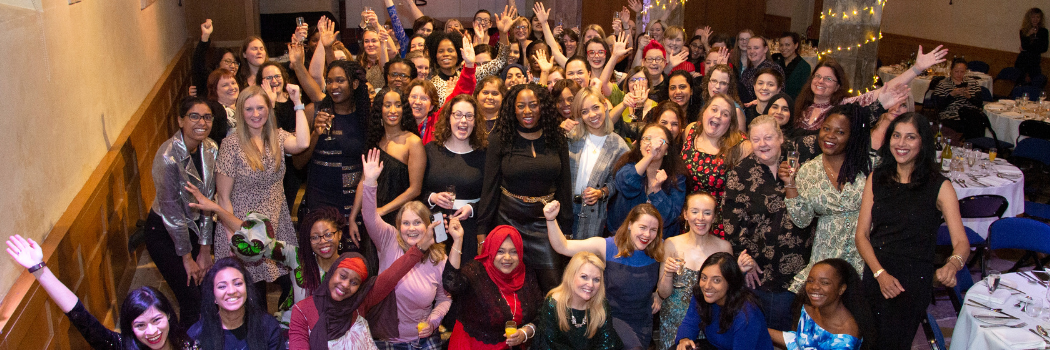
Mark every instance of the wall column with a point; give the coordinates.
(849, 33)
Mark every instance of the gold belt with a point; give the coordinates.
(545, 199)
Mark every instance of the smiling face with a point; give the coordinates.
(515, 54)
(781, 111)
(227, 90)
(788, 46)
(422, 67)
(507, 258)
(713, 285)
(766, 86)
(586, 282)
(593, 114)
(596, 55)
(637, 81)
(371, 44)
(527, 109)
(344, 283)
(392, 108)
(398, 75)
(679, 90)
(420, 102)
(256, 112)
(453, 25)
(824, 286)
(576, 71)
(338, 85)
(151, 328)
(905, 143)
(654, 141)
(655, 62)
(674, 44)
(255, 53)
(570, 44)
(742, 39)
(196, 130)
(833, 135)
(699, 213)
(324, 248)
(272, 76)
(229, 62)
(230, 289)
(412, 227)
(657, 30)
(417, 44)
(514, 77)
(426, 29)
(756, 50)
(766, 143)
(669, 120)
(490, 97)
(711, 59)
(716, 118)
(564, 103)
(643, 231)
(824, 83)
(718, 83)
(696, 49)
(553, 78)
(462, 120)
(446, 55)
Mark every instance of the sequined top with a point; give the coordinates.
(100, 337)
(550, 336)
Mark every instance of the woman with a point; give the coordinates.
(697, 52)
(780, 107)
(514, 74)
(253, 55)
(231, 317)
(392, 130)
(178, 237)
(681, 92)
(796, 69)
(757, 60)
(723, 309)
(272, 79)
(527, 165)
(423, 96)
(831, 313)
(250, 169)
(456, 166)
(674, 42)
(419, 301)
(489, 93)
(521, 33)
(421, 60)
(767, 83)
(649, 174)
(147, 319)
(671, 116)
(596, 53)
(498, 282)
(444, 53)
(593, 148)
(575, 314)
(684, 255)
(738, 54)
(201, 66)
(1034, 41)
(564, 94)
(898, 250)
(633, 256)
(369, 59)
(959, 100)
(712, 146)
(222, 93)
(636, 103)
(829, 187)
(755, 219)
(720, 79)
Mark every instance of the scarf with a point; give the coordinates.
(506, 282)
(334, 318)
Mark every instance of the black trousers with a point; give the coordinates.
(162, 250)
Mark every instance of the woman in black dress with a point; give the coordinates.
(392, 129)
(901, 209)
(1034, 42)
(526, 166)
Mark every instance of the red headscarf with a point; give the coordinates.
(507, 282)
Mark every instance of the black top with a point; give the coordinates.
(97, 335)
(335, 166)
(513, 167)
(1035, 44)
(447, 168)
(905, 219)
(788, 67)
(550, 336)
(392, 182)
(219, 124)
(284, 112)
(659, 92)
(472, 288)
(199, 68)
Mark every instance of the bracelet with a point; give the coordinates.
(790, 186)
(957, 257)
(36, 267)
(879, 272)
(527, 333)
(457, 250)
(299, 107)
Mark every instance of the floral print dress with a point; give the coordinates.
(705, 172)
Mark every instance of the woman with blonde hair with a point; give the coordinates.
(250, 171)
(593, 149)
(575, 315)
(1034, 40)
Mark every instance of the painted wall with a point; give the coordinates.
(987, 24)
(800, 12)
(285, 6)
(72, 77)
(440, 9)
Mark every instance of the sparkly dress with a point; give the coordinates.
(672, 311)
(550, 336)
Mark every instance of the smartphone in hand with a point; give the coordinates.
(439, 230)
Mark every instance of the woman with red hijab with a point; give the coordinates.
(496, 280)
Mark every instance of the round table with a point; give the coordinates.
(920, 84)
(1000, 178)
(969, 335)
(1006, 119)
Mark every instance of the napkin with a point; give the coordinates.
(980, 293)
(993, 181)
(1018, 338)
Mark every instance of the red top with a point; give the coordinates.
(465, 85)
(460, 340)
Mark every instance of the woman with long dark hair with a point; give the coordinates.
(831, 313)
(392, 130)
(724, 309)
(526, 166)
(649, 173)
(147, 320)
(899, 249)
(231, 318)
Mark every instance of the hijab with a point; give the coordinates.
(334, 318)
(506, 282)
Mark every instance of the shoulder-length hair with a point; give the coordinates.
(857, 162)
(429, 89)
(362, 57)
(506, 125)
(434, 40)
(211, 336)
(376, 127)
(1026, 23)
(213, 82)
(280, 69)
(724, 68)
(671, 164)
(805, 98)
(308, 261)
(773, 72)
(270, 139)
(443, 129)
(580, 131)
(244, 71)
(624, 247)
(581, 48)
(563, 293)
(137, 302)
(625, 85)
(605, 46)
(436, 252)
(737, 295)
(728, 143)
(925, 167)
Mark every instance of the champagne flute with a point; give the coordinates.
(451, 190)
(328, 127)
(792, 159)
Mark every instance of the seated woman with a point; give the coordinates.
(959, 100)
(647, 174)
(834, 299)
(231, 318)
(575, 315)
(497, 281)
(724, 309)
(147, 319)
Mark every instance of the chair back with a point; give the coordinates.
(1038, 81)
(1019, 233)
(1032, 91)
(1033, 128)
(1037, 209)
(978, 66)
(1009, 73)
(986, 95)
(928, 99)
(983, 206)
(1033, 148)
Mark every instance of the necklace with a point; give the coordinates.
(572, 318)
(832, 175)
(513, 306)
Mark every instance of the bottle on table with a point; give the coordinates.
(946, 156)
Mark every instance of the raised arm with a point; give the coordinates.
(301, 140)
(397, 27)
(548, 37)
(317, 66)
(923, 61)
(565, 246)
(198, 65)
(619, 51)
(296, 58)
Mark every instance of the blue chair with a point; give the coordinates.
(1032, 91)
(978, 66)
(1032, 148)
(933, 332)
(976, 207)
(1020, 233)
(1009, 73)
(1038, 210)
(985, 143)
(1033, 128)
(986, 95)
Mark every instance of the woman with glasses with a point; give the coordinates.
(272, 79)
(720, 79)
(444, 48)
(649, 174)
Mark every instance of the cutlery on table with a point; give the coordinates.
(1019, 325)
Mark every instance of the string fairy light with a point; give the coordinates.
(855, 14)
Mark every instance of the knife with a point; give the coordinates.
(994, 316)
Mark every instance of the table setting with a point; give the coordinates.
(1006, 116)
(973, 172)
(1005, 311)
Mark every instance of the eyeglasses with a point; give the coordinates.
(482, 21)
(273, 77)
(231, 62)
(398, 75)
(595, 53)
(327, 237)
(819, 77)
(654, 59)
(637, 80)
(463, 116)
(650, 140)
(194, 117)
(520, 27)
(720, 83)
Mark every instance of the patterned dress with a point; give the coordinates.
(673, 309)
(705, 172)
(836, 213)
(259, 191)
(811, 336)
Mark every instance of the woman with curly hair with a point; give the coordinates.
(526, 166)
(392, 130)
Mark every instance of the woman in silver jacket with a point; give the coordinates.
(178, 237)
(593, 148)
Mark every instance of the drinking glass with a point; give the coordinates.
(1024, 97)
(991, 278)
(510, 328)
(678, 282)
(792, 158)
(991, 154)
(451, 190)
(328, 127)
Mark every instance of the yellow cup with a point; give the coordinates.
(420, 326)
(991, 155)
(510, 331)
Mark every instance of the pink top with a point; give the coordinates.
(419, 288)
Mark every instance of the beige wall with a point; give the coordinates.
(981, 23)
(72, 75)
(285, 6)
(800, 12)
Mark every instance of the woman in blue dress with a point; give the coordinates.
(632, 258)
(830, 310)
(723, 309)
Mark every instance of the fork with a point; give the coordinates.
(960, 182)
(1019, 325)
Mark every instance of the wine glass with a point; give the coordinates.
(792, 158)
(678, 282)
(451, 190)
(1042, 97)
(328, 127)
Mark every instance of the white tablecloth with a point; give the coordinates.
(969, 335)
(1012, 189)
(1006, 121)
(919, 85)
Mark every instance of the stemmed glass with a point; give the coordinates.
(328, 127)
(678, 282)
(792, 158)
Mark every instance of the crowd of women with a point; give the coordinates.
(513, 184)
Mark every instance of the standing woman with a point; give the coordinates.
(899, 249)
(272, 78)
(680, 90)
(1034, 40)
(723, 309)
(593, 148)
(526, 166)
(489, 93)
(250, 169)
(564, 93)
(392, 130)
(649, 174)
(456, 161)
(757, 60)
(713, 145)
(222, 93)
(575, 314)
(766, 84)
(231, 317)
(174, 230)
(253, 55)
(444, 54)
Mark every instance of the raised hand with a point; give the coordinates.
(428, 239)
(25, 251)
(643, 40)
(300, 33)
(504, 22)
(542, 14)
(545, 61)
(625, 15)
(617, 26)
(455, 229)
(193, 90)
(295, 53)
(467, 52)
(924, 61)
(294, 93)
(635, 5)
(704, 32)
(894, 95)
(372, 166)
(206, 30)
(326, 31)
(676, 59)
(723, 55)
(551, 210)
(786, 173)
(557, 30)
(568, 125)
(619, 48)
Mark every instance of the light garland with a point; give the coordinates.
(845, 15)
